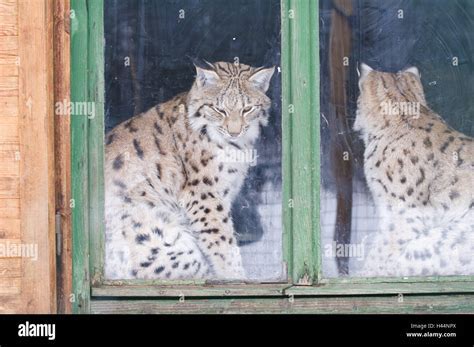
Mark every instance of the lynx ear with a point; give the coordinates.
(364, 70)
(363, 73)
(261, 78)
(205, 74)
(414, 70)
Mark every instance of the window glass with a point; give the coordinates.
(193, 140)
(396, 137)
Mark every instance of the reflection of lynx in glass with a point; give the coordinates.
(168, 192)
(420, 173)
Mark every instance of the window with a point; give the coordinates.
(302, 194)
(390, 202)
(149, 60)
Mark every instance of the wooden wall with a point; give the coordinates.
(26, 156)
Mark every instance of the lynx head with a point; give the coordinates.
(387, 98)
(229, 101)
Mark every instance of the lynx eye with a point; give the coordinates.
(220, 110)
(247, 109)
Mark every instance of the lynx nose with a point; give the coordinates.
(234, 128)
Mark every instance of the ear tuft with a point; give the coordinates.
(261, 78)
(414, 70)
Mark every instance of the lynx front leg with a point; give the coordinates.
(210, 218)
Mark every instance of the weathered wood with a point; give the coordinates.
(8, 70)
(9, 45)
(95, 140)
(7, 59)
(9, 187)
(9, 107)
(9, 228)
(190, 290)
(286, 138)
(79, 159)
(9, 7)
(417, 279)
(8, 303)
(382, 288)
(10, 267)
(304, 70)
(37, 154)
(9, 209)
(9, 157)
(62, 74)
(9, 86)
(10, 286)
(8, 29)
(8, 18)
(329, 305)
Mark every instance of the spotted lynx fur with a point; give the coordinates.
(421, 175)
(171, 177)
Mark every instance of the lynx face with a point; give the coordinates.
(228, 101)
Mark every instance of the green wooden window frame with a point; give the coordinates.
(306, 291)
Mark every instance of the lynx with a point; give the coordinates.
(420, 173)
(171, 176)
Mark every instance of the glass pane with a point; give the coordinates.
(193, 180)
(397, 148)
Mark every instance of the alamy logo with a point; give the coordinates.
(396, 108)
(77, 108)
(12, 250)
(344, 250)
(232, 155)
(37, 330)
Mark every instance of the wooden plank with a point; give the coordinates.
(12, 254)
(416, 279)
(9, 208)
(315, 137)
(9, 121)
(96, 141)
(10, 286)
(6, 59)
(8, 29)
(9, 228)
(79, 159)
(36, 131)
(286, 138)
(383, 288)
(9, 106)
(9, 7)
(8, 18)
(9, 157)
(8, 70)
(304, 101)
(62, 74)
(9, 131)
(412, 304)
(10, 268)
(9, 187)
(190, 290)
(8, 303)
(9, 45)
(9, 86)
